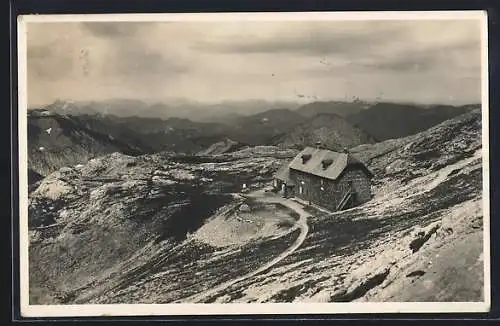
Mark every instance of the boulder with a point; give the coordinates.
(244, 208)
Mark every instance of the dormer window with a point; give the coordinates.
(305, 158)
(326, 163)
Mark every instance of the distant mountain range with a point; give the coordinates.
(329, 129)
(202, 112)
(342, 109)
(390, 120)
(260, 128)
(56, 140)
(66, 133)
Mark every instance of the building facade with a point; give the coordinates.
(326, 178)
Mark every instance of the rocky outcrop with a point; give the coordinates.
(360, 287)
(222, 147)
(422, 236)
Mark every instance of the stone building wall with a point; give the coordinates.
(328, 193)
(360, 182)
(312, 188)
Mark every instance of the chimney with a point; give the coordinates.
(326, 163)
(305, 158)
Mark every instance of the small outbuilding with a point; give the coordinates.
(326, 178)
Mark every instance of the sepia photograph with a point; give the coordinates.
(253, 163)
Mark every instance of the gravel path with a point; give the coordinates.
(301, 224)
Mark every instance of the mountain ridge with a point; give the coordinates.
(329, 129)
(279, 126)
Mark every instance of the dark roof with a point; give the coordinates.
(283, 174)
(322, 163)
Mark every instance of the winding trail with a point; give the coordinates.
(301, 224)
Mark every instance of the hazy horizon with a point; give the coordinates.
(423, 62)
(180, 101)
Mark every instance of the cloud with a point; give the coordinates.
(451, 58)
(312, 40)
(135, 61)
(424, 59)
(374, 45)
(39, 52)
(129, 54)
(130, 58)
(47, 63)
(209, 61)
(113, 29)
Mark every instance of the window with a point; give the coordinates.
(301, 190)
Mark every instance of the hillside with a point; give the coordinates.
(340, 108)
(331, 130)
(259, 128)
(74, 139)
(172, 134)
(403, 119)
(137, 135)
(162, 228)
(57, 140)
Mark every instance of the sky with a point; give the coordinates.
(421, 61)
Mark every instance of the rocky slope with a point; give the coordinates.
(160, 228)
(90, 223)
(419, 239)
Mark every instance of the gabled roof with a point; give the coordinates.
(283, 174)
(335, 163)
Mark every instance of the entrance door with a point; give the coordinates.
(352, 198)
(301, 189)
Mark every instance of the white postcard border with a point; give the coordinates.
(28, 310)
